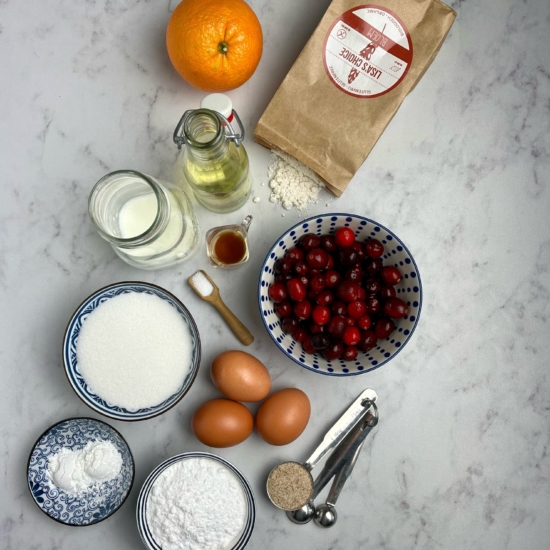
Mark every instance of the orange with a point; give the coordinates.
(215, 45)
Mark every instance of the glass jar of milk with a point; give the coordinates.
(149, 223)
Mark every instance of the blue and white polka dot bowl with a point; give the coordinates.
(70, 343)
(240, 541)
(409, 290)
(89, 507)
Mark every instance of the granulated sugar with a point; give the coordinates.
(202, 284)
(134, 350)
(292, 183)
(196, 504)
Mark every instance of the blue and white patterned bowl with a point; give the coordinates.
(141, 512)
(409, 290)
(70, 343)
(75, 433)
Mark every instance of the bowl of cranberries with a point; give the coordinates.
(340, 294)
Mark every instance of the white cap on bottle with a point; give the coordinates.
(219, 103)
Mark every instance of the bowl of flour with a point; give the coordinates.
(195, 501)
(80, 471)
(131, 351)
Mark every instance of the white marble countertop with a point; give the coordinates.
(460, 458)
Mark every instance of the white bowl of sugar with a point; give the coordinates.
(131, 351)
(196, 500)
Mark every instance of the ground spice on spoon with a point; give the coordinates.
(289, 486)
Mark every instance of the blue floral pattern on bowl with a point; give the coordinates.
(141, 512)
(70, 343)
(409, 289)
(91, 507)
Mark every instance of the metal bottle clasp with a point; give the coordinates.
(179, 136)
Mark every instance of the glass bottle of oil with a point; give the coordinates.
(215, 162)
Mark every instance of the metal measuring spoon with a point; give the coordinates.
(332, 439)
(305, 514)
(325, 515)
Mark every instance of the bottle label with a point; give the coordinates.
(367, 51)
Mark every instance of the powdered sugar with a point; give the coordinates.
(196, 504)
(292, 183)
(77, 471)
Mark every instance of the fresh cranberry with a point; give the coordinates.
(344, 237)
(360, 249)
(388, 292)
(301, 268)
(357, 309)
(333, 351)
(320, 341)
(325, 298)
(313, 271)
(302, 310)
(328, 243)
(277, 293)
(330, 262)
(312, 294)
(317, 258)
(283, 278)
(374, 248)
(332, 278)
(296, 290)
(289, 325)
(295, 255)
(284, 309)
(314, 328)
(308, 242)
(371, 286)
(390, 275)
(362, 294)
(383, 328)
(349, 321)
(350, 353)
(308, 346)
(347, 291)
(371, 266)
(282, 266)
(304, 280)
(318, 282)
(351, 336)
(339, 308)
(320, 315)
(346, 257)
(336, 326)
(364, 322)
(354, 274)
(367, 340)
(395, 308)
(299, 334)
(373, 305)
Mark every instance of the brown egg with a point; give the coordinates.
(283, 416)
(222, 423)
(240, 376)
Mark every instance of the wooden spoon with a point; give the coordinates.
(214, 298)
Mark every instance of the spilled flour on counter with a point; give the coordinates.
(196, 504)
(292, 183)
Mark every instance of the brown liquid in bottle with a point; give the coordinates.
(229, 247)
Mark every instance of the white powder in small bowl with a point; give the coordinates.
(134, 350)
(196, 504)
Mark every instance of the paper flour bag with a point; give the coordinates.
(349, 81)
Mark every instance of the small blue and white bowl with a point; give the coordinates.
(91, 507)
(141, 513)
(70, 343)
(409, 290)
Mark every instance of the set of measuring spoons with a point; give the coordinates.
(346, 440)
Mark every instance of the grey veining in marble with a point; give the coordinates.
(460, 458)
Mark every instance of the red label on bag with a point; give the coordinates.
(367, 51)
